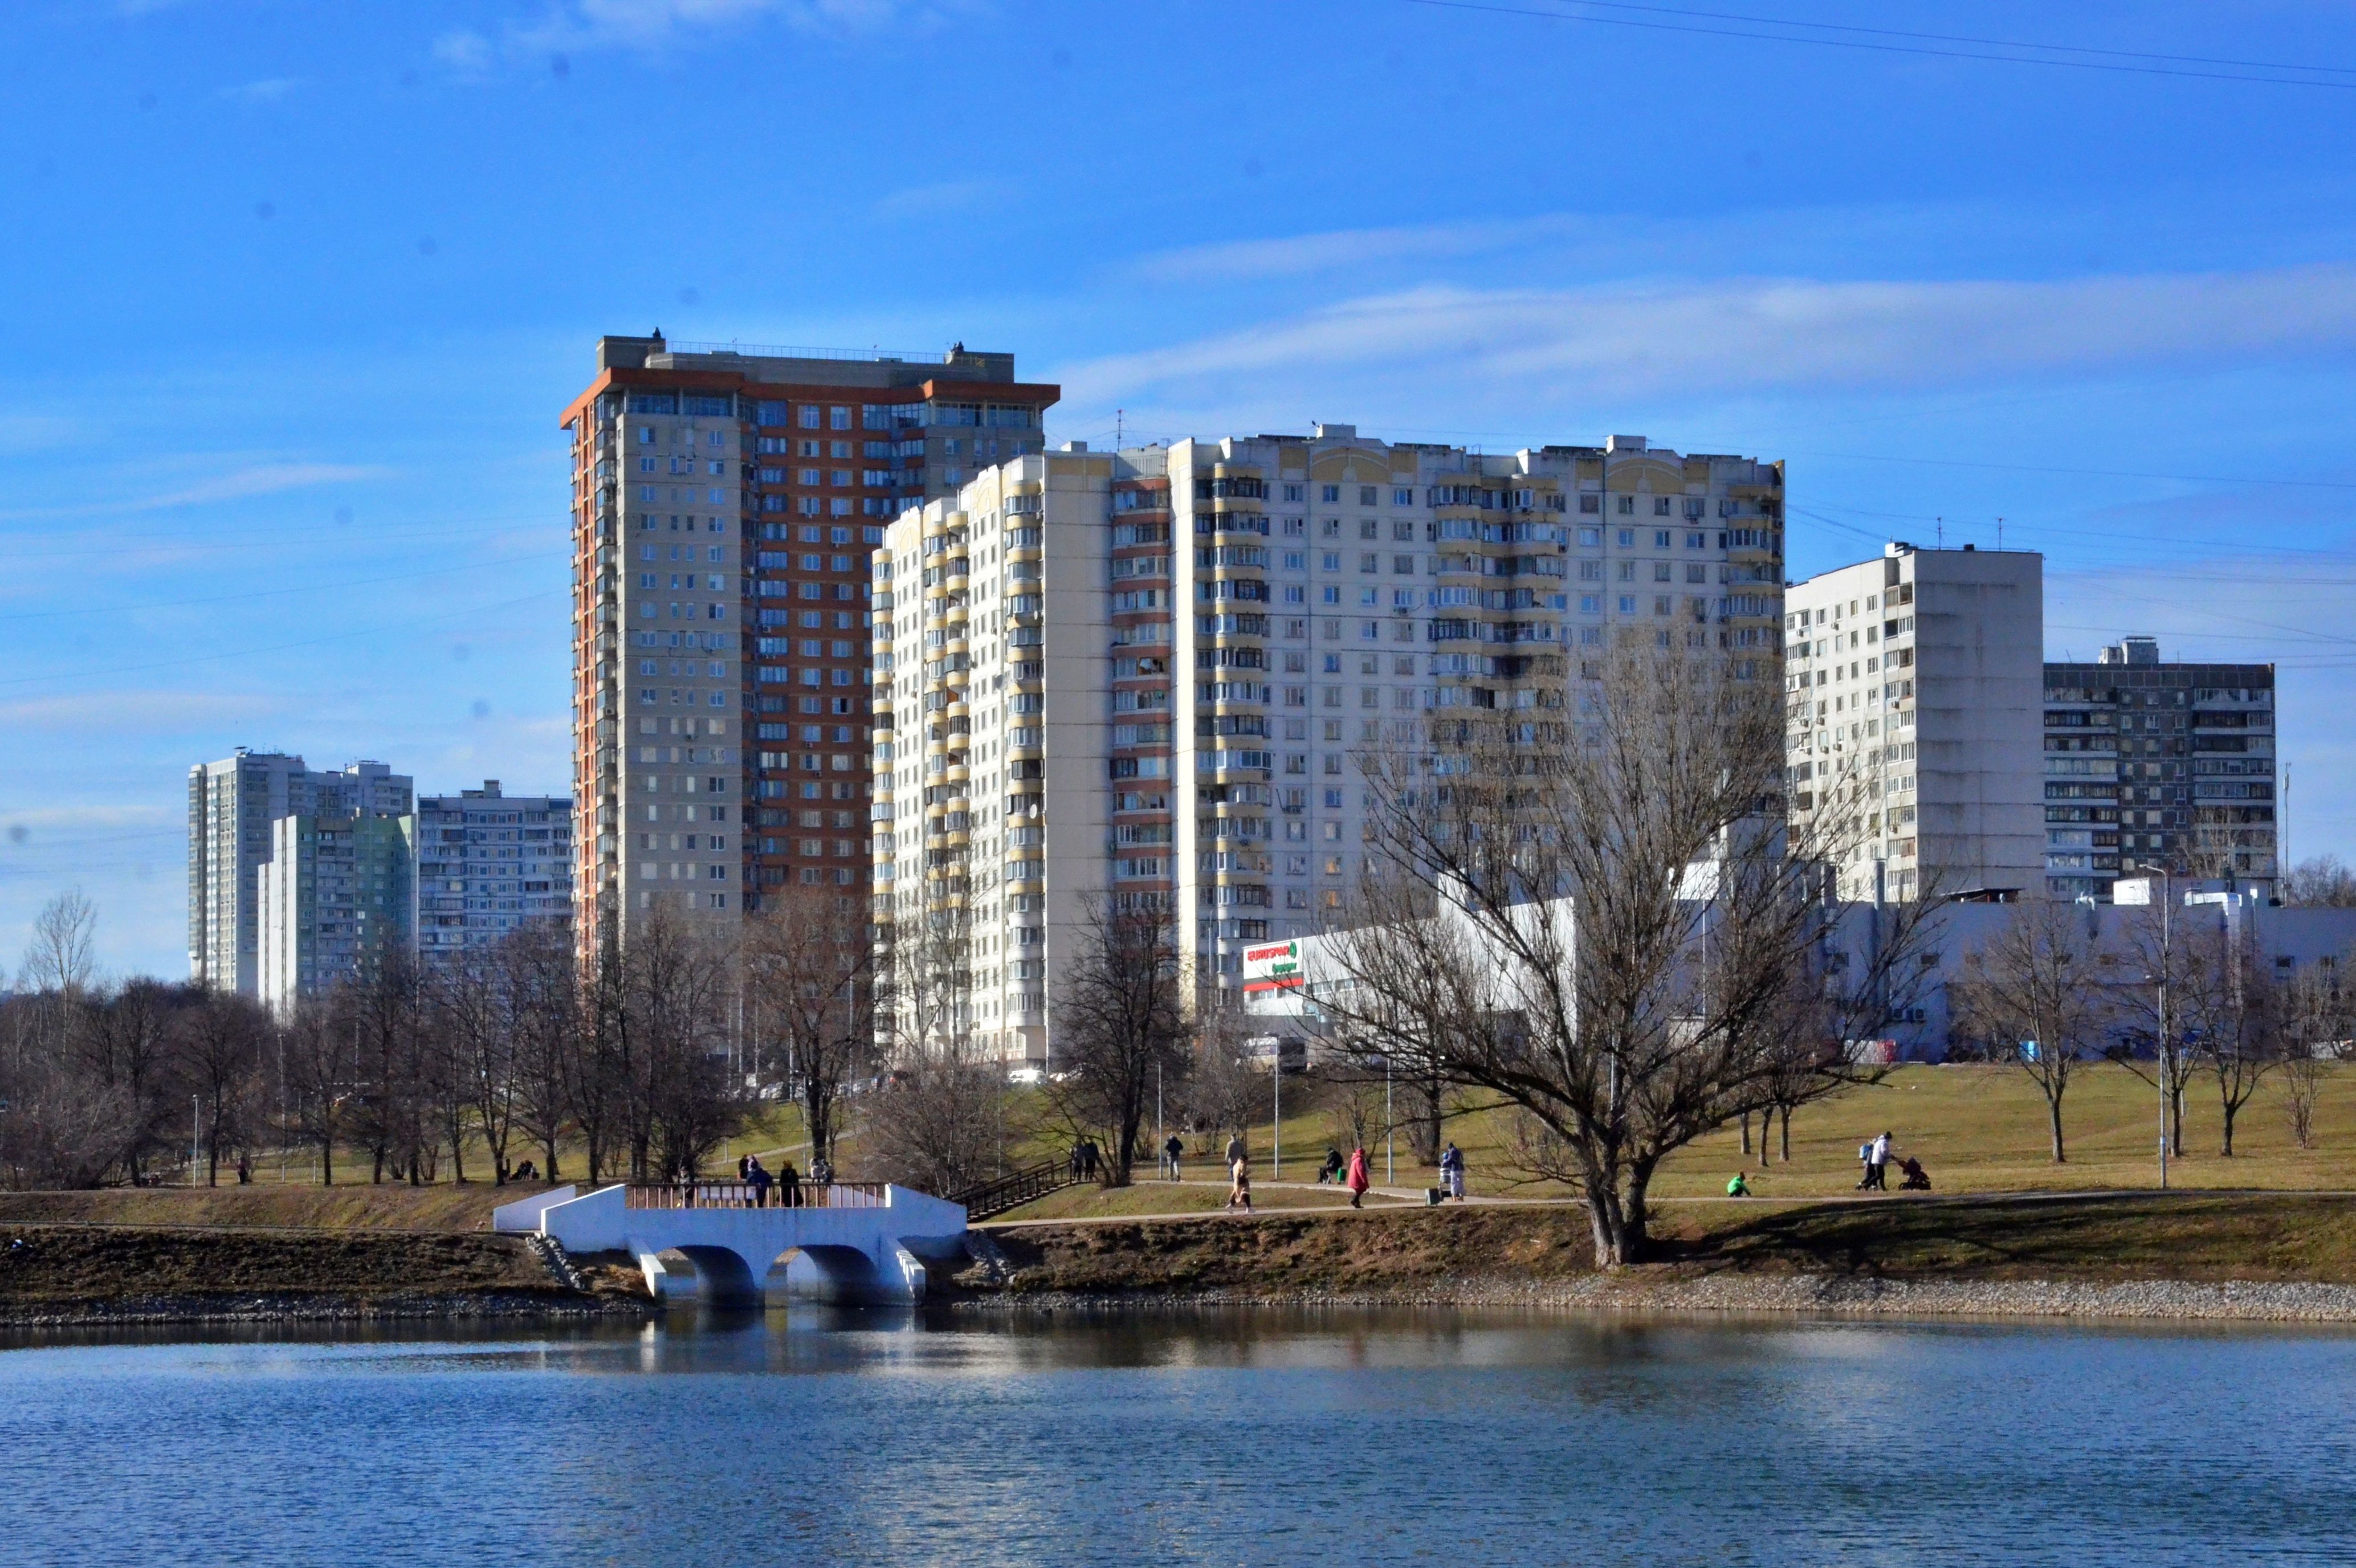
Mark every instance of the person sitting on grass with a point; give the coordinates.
(1332, 1169)
(1738, 1188)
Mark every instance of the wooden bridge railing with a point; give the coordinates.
(734, 1194)
(1015, 1189)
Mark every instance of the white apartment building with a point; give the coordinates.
(487, 863)
(1191, 645)
(1914, 694)
(994, 650)
(337, 898)
(232, 805)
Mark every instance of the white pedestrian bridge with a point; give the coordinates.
(844, 1242)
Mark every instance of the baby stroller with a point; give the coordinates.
(1917, 1179)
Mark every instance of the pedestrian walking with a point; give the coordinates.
(760, 1180)
(1172, 1152)
(1236, 1150)
(1240, 1192)
(1877, 1163)
(1358, 1180)
(789, 1185)
(1451, 1172)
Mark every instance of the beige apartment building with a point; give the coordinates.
(1145, 675)
(1914, 684)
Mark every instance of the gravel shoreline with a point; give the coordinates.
(262, 1306)
(2255, 1301)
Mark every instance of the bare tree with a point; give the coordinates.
(321, 1078)
(937, 1125)
(678, 983)
(2318, 1020)
(1225, 1089)
(1601, 920)
(2322, 881)
(218, 1046)
(2034, 995)
(1121, 1022)
(2234, 1007)
(539, 996)
(809, 971)
(2173, 1003)
(61, 956)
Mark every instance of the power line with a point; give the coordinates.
(1893, 48)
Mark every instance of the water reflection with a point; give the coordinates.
(1249, 1436)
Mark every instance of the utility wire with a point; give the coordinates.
(1893, 48)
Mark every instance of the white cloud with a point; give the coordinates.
(267, 91)
(580, 25)
(1740, 336)
(1301, 254)
(258, 479)
(152, 712)
(940, 201)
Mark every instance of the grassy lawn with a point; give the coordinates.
(1974, 1128)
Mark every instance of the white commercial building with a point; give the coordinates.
(1151, 674)
(1915, 685)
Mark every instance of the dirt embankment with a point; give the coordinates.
(56, 1273)
(358, 1206)
(2191, 1255)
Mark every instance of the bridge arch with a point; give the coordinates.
(839, 1276)
(723, 1276)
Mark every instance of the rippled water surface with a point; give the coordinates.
(1448, 1439)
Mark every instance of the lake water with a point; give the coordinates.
(1451, 1439)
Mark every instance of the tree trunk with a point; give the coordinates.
(2227, 1152)
(1787, 1135)
(2053, 1109)
(548, 1173)
(1746, 1131)
(327, 1161)
(2176, 1117)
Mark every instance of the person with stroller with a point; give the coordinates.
(1917, 1179)
(1332, 1169)
(1451, 1172)
(1875, 1156)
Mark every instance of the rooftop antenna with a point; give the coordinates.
(1118, 417)
(1941, 523)
(1999, 533)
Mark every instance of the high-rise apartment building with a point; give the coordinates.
(1913, 685)
(487, 863)
(339, 899)
(232, 805)
(1145, 674)
(724, 504)
(2157, 767)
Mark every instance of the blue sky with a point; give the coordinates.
(296, 292)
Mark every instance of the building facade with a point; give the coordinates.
(2152, 767)
(1147, 674)
(339, 899)
(487, 863)
(1913, 686)
(724, 505)
(233, 805)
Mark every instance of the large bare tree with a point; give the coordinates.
(809, 995)
(217, 1045)
(1601, 916)
(1122, 1024)
(2036, 993)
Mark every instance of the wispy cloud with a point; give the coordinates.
(258, 479)
(113, 712)
(1744, 336)
(941, 200)
(1302, 254)
(571, 26)
(267, 91)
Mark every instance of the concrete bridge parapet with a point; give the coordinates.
(848, 1245)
